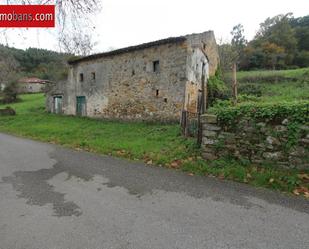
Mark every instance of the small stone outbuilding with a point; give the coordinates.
(153, 81)
(31, 85)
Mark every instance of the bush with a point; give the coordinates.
(250, 89)
(297, 112)
(247, 98)
(10, 93)
(216, 88)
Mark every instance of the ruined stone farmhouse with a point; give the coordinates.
(151, 81)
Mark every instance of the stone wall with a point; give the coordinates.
(260, 143)
(207, 42)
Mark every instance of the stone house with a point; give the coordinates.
(154, 81)
(31, 85)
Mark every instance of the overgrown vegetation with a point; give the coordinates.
(152, 143)
(294, 111)
(269, 96)
(216, 88)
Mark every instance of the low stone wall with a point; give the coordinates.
(8, 111)
(260, 143)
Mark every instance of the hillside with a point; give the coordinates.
(34, 62)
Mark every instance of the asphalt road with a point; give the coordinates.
(55, 198)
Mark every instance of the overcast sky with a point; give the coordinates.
(123, 23)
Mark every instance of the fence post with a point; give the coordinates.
(234, 84)
(184, 123)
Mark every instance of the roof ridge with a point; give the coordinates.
(129, 49)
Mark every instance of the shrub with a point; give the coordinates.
(297, 112)
(247, 98)
(250, 89)
(216, 88)
(10, 93)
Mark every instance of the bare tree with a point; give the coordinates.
(76, 43)
(228, 56)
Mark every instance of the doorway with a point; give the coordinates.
(81, 106)
(58, 104)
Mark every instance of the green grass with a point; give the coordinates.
(293, 91)
(159, 143)
(152, 143)
(274, 86)
(273, 93)
(269, 177)
(244, 76)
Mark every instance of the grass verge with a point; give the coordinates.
(152, 143)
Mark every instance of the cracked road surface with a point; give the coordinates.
(56, 198)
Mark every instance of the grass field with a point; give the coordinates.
(274, 86)
(272, 75)
(152, 143)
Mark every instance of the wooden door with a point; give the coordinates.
(81, 106)
(58, 104)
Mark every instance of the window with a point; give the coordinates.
(165, 100)
(93, 75)
(133, 72)
(81, 77)
(156, 66)
(157, 93)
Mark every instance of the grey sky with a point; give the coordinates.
(127, 22)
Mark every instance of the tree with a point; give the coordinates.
(274, 55)
(301, 27)
(278, 31)
(77, 43)
(302, 59)
(228, 56)
(8, 67)
(239, 41)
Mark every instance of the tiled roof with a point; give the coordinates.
(32, 80)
